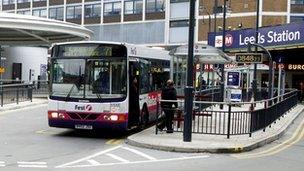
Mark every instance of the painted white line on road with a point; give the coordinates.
(32, 164)
(93, 162)
(140, 162)
(117, 157)
(2, 164)
(88, 157)
(23, 162)
(139, 153)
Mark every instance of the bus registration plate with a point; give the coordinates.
(87, 127)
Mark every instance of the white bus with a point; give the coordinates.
(93, 84)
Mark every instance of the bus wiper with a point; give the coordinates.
(70, 92)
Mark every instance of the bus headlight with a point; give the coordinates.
(113, 117)
(57, 115)
(110, 117)
(54, 114)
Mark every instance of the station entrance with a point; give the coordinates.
(293, 63)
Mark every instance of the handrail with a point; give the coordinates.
(232, 103)
(212, 120)
(15, 85)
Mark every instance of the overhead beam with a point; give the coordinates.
(33, 35)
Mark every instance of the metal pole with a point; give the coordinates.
(189, 87)
(209, 30)
(279, 80)
(1, 81)
(254, 81)
(209, 24)
(229, 121)
(215, 14)
(247, 83)
(223, 49)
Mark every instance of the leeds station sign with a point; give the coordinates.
(282, 35)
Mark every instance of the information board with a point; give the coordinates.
(235, 95)
(233, 79)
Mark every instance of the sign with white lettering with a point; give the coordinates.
(233, 79)
(235, 95)
(290, 67)
(268, 36)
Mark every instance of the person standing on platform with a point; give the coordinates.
(168, 93)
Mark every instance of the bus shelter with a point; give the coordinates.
(204, 57)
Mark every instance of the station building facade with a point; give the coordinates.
(285, 44)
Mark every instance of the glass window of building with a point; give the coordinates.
(297, 1)
(133, 7)
(8, 2)
(294, 19)
(177, 1)
(56, 13)
(179, 23)
(24, 12)
(40, 12)
(73, 12)
(23, 1)
(155, 6)
(92, 10)
(113, 8)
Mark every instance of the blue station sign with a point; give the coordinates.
(281, 35)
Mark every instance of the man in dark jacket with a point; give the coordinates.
(168, 93)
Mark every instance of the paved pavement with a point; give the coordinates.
(214, 143)
(14, 106)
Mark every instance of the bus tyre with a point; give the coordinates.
(144, 117)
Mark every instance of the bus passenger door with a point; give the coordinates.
(134, 109)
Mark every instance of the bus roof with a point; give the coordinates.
(139, 51)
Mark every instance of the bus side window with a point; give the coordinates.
(145, 85)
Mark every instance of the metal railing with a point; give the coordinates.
(40, 88)
(15, 93)
(236, 118)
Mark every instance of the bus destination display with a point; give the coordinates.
(91, 51)
(248, 57)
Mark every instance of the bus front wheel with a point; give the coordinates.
(144, 117)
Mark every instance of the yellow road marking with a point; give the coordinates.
(114, 141)
(297, 136)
